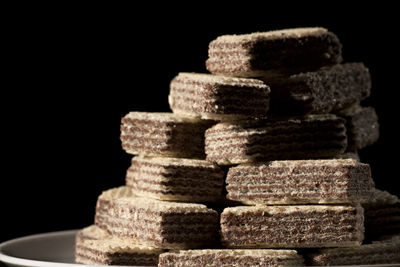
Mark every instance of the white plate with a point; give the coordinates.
(55, 249)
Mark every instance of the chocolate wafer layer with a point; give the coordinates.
(175, 179)
(231, 257)
(326, 90)
(309, 137)
(155, 223)
(377, 253)
(163, 134)
(96, 247)
(301, 182)
(382, 215)
(218, 97)
(292, 226)
(273, 53)
(362, 126)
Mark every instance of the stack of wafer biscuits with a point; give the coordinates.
(304, 70)
(159, 207)
(288, 204)
(256, 165)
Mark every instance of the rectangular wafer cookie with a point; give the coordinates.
(377, 253)
(175, 179)
(388, 238)
(349, 155)
(382, 215)
(362, 126)
(300, 182)
(231, 257)
(163, 134)
(155, 223)
(218, 97)
(273, 53)
(299, 226)
(308, 137)
(96, 247)
(325, 90)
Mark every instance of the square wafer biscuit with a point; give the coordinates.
(382, 215)
(349, 155)
(362, 126)
(231, 257)
(163, 134)
(96, 247)
(377, 253)
(273, 53)
(388, 238)
(175, 179)
(308, 137)
(155, 223)
(300, 182)
(218, 97)
(325, 90)
(297, 226)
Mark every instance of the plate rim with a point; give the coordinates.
(36, 263)
(28, 262)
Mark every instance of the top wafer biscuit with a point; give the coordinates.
(273, 53)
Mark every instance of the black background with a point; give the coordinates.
(72, 73)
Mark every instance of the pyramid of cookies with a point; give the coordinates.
(256, 165)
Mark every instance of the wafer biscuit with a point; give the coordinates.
(349, 155)
(300, 182)
(273, 53)
(155, 223)
(175, 179)
(309, 137)
(326, 90)
(96, 247)
(292, 226)
(362, 126)
(163, 134)
(218, 97)
(231, 257)
(382, 215)
(377, 253)
(388, 238)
